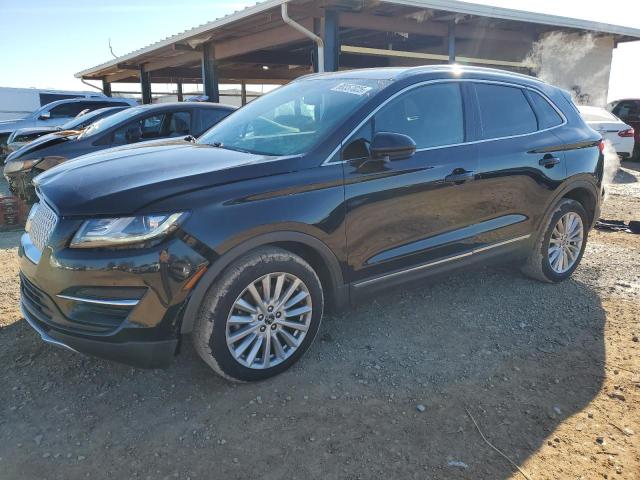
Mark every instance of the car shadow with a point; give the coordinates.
(382, 393)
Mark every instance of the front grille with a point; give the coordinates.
(41, 223)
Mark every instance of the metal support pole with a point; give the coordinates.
(106, 87)
(243, 93)
(209, 73)
(145, 86)
(179, 92)
(331, 41)
(452, 42)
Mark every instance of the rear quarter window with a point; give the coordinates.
(548, 117)
(504, 111)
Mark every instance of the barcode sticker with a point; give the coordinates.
(352, 88)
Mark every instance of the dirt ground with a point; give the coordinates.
(550, 373)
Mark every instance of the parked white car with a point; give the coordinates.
(611, 128)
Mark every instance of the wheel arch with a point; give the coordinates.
(582, 190)
(312, 250)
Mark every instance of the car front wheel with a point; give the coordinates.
(560, 246)
(260, 316)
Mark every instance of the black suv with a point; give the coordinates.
(328, 188)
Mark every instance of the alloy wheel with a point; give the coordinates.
(269, 320)
(566, 242)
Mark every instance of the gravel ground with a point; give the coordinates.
(550, 373)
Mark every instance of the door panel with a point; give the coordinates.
(404, 212)
(518, 172)
(513, 183)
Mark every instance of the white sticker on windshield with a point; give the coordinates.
(352, 88)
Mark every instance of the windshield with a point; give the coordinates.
(293, 118)
(90, 117)
(108, 122)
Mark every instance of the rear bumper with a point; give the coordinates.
(156, 354)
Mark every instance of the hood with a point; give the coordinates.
(31, 148)
(27, 131)
(122, 181)
(7, 126)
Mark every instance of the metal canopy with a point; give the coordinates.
(254, 45)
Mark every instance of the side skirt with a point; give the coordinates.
(501, 251)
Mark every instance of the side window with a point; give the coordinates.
(548, 117)
(139, 130)
(504, 111)
(67, 110)
(180, 124)
(431, 115)
(209, 117)
(152, 126)
(627, 110)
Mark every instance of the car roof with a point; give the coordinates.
(84, 99)
(183, 105)
(444, 71)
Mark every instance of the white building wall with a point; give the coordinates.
(575, 62)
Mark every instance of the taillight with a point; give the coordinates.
(601, 146)
(629, 132)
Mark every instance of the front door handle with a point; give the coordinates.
(549, 161)
(460, 176)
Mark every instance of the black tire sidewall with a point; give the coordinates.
(217, 342)
(566, 207)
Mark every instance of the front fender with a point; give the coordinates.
(339, 291)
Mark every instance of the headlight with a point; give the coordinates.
(19, 166)
(116, 232)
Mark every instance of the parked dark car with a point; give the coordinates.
(133, 125)
(628, 110)
(326, 189)
(22, 136)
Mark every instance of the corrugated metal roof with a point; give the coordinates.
(454, 6)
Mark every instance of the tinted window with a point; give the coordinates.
(504, 111)
(180, 124)
(431, 115)
(627, 110)
(67, 110)
(146, 128)
(547, 115)
(209, 117)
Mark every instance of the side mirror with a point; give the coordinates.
(394, 146)
(44, 116)
(133, 135)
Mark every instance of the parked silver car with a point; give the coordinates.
(57, 113)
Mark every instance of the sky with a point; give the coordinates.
(44, 42)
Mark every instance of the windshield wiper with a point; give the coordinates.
(233, 149)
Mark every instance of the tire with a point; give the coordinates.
(540, 263)
(220, 319)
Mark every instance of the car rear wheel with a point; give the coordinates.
(260, 316)
(559, 247)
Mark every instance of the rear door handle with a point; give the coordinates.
(549, 161)
(459, 176)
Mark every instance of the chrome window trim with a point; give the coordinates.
(341, 145)
(441, 261)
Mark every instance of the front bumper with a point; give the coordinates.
(154, 354)
(121, 305)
